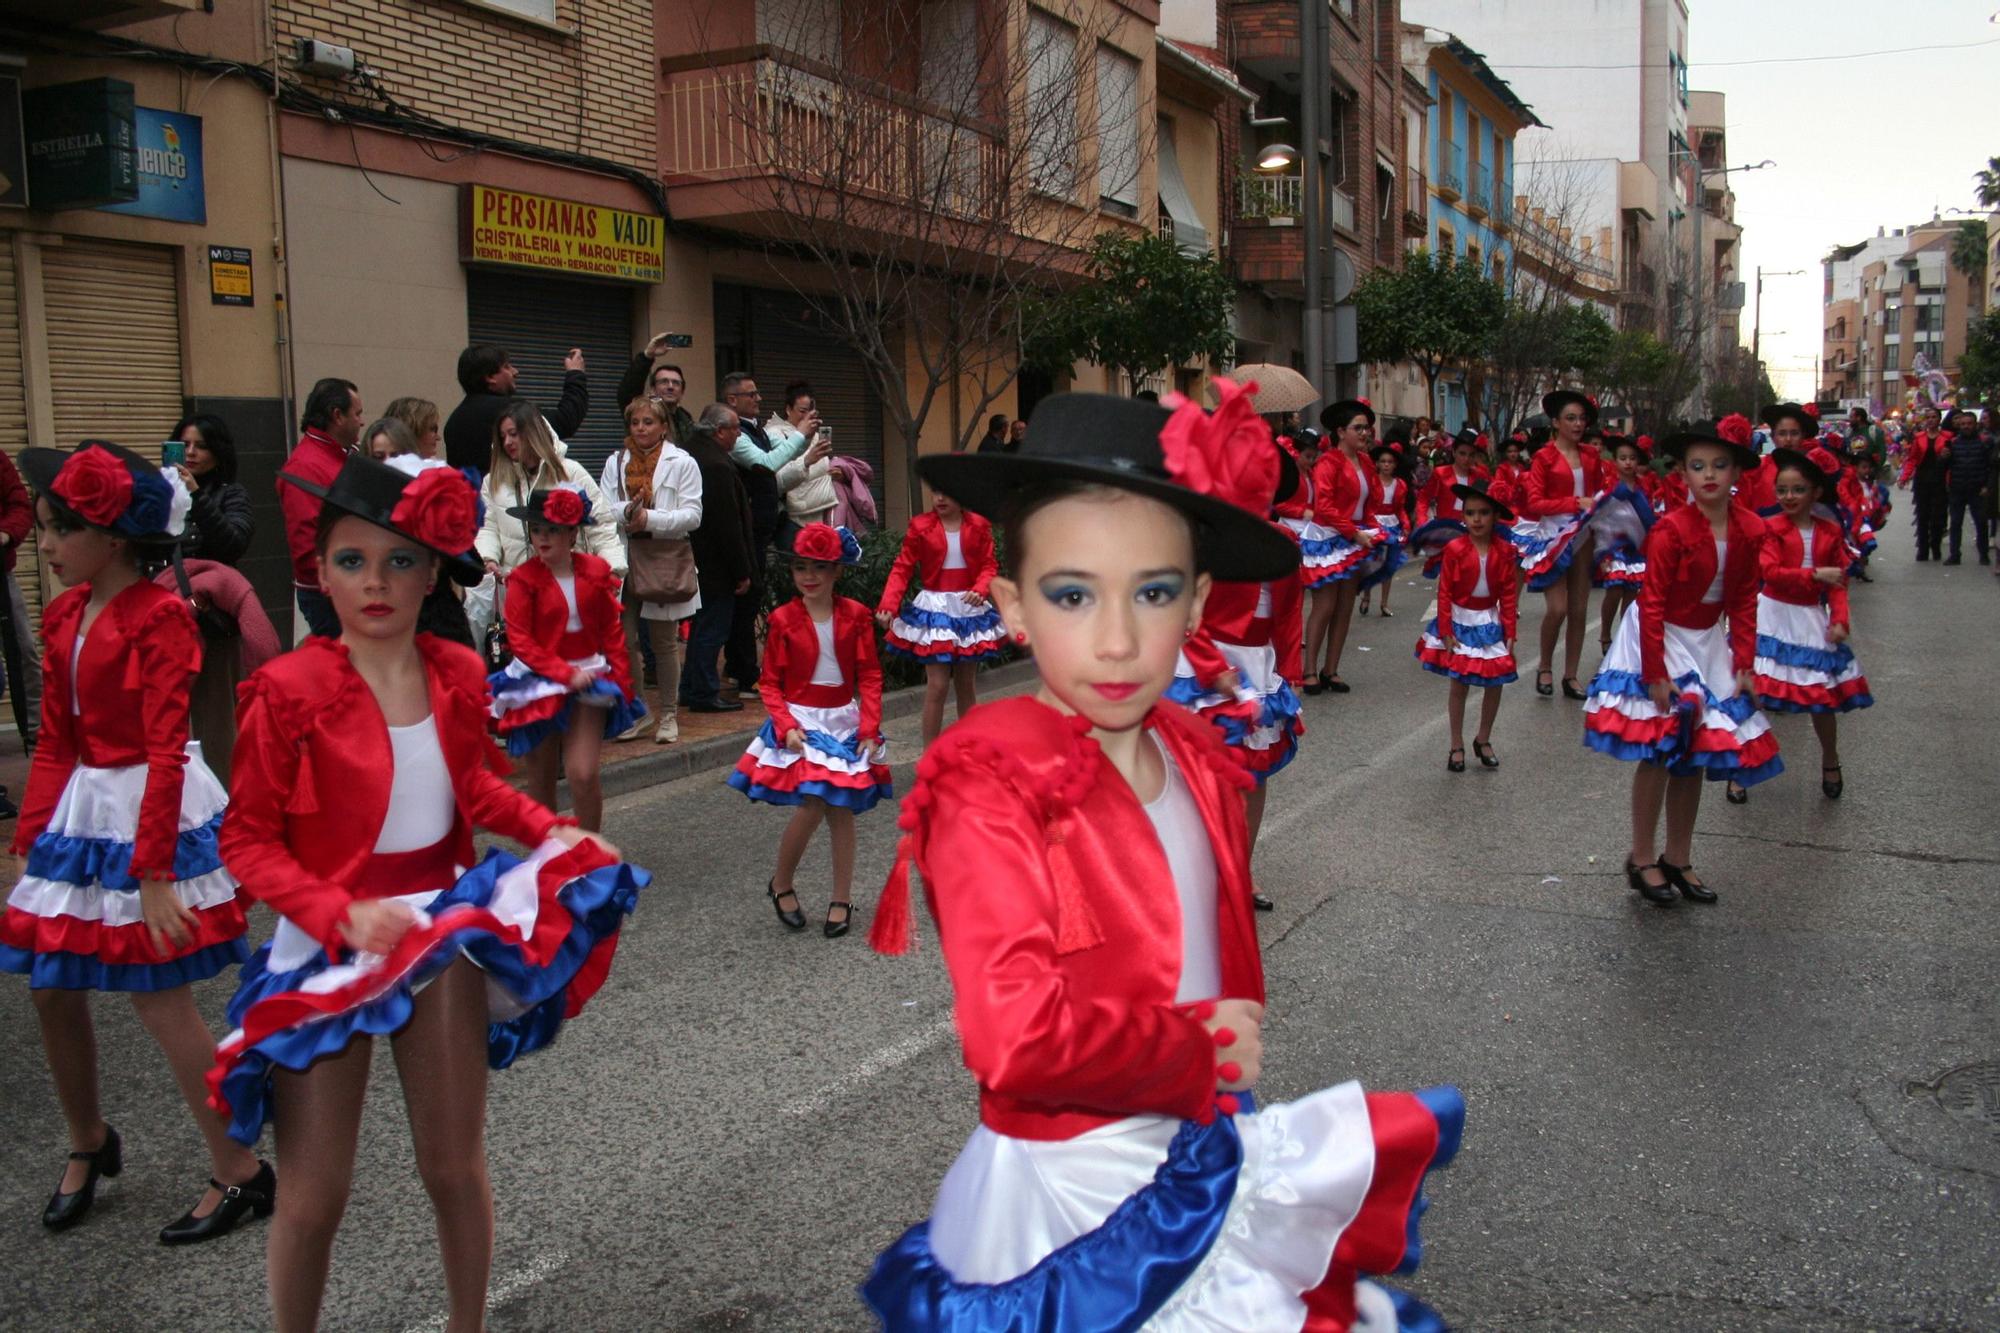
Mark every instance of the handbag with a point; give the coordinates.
(661, 570)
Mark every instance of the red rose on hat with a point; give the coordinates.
(1227, 455)
(439, 509)
(1734, 428)
(1811, 410)
(564, 507)
(817, 541)
(96, 484)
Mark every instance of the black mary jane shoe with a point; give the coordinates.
(1313, 686)
(1333, 684)
(1545, 690)
(793, 918)
(1261, 903)
(835, 929)
(1661, 894)
(1573, 690)
(257, 1195)
(1484, 751)
(66, 1210)
(1736, 793)
(1455, 765)
(1834, 785)
(1387, 614)
(1692, 889)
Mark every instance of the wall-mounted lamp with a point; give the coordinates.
(1277, 157)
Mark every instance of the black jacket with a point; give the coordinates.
(1968, 463)
(722, 542)
(633, 383)
(767, 504)
(468, 433)
(219, 524)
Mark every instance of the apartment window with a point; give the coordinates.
(1472, 256)
(1385, 191)
(1447, 242)
(810, 28)
(1118, 131)
(1930, 319)
(542, 10)
(1679, 70)
(1051, 110)
(1892, 357)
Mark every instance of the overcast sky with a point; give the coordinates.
(1882, 140)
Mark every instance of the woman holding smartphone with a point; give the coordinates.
(807, 481)
(219, 525)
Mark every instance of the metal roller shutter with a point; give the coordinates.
(778, 339)
(538, 320)
(14, 418)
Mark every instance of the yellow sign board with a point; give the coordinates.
(560, 235)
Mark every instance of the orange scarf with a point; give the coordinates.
(639, 473)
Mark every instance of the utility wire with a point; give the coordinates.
(1766, 60)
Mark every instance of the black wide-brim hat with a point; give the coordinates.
(39, 467)
(1465, 491)
(1336, 415)
(1554, 403)
(1677, 445)
(536, 511)
(1777, 412)
(369, 490)
(1102, 440)
(1811, 471)
(1290, 479)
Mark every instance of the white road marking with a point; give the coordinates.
(884, 1060)
(507, 1288)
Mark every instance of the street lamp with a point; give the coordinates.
(1757, 319)
(1701, 268)
(1277, 157)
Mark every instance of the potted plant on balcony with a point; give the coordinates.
(1261, 200)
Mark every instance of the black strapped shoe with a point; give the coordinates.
(258, 1195)
(1691, 889)
(1660, 895)
(835, 929)
(791, 916)
(66, 1210)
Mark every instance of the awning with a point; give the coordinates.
(1189, 234)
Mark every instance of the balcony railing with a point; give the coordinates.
(1260, 197)
(777, 116)
(1451, 171)
(1481, 192)
(1503, 206)
(1416, 202)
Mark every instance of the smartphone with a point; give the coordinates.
(680, 340)
(173, 453)
(825, 435)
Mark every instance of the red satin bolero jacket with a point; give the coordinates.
(791, 650)
(1337, 489)
(1757, 488)
(1436, 499)
(1058, 918)
(309, 784)
(1783, 558)
(1680, 566)
(1227, 617)
(1549, 488)
(537, 613)
(1300, 504)
(924, 551)
(138, 664)
(1458, 575)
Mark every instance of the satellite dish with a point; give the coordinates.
(1343, 275)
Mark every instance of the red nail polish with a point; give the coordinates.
(1229, 1071)
(1225, 1036)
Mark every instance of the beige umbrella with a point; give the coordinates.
(1279, 388)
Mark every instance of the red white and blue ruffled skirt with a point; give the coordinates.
(1263, 722)
(1385, 557)
(73, 921)
(1481, 657)
(1427, 543)
(943, 627)
(835, 766)
(530, 708)
(1262, 1220)
(1798, 671)
(543, 930)
(1324, 555)
(1710, 729)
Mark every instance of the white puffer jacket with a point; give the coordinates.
(504, 539)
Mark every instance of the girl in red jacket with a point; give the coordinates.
(1344, 503)
(1621, 563)
(1555, 500)
(565, 629)
(1677, 690)
(1471, 639)
(949, 626)
(362, 769)
(1395, 506)
(822, 749)
(1804, 663)
(1121, 1172)
(122, 889)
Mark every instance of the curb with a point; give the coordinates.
(673, 762)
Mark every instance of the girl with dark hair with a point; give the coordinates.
(1470, 641)
(1394, 511)
(122, 889)
(220, 525)
(1343, 492)
(949, 625)
(1557, 551)
(1122, 1174)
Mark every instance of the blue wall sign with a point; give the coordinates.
(170, 181)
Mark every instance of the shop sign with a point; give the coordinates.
(229, 275)
(170, 180)
(563, 236)
(13, 146)
(82, 144)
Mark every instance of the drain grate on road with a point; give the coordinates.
(1969, 1092)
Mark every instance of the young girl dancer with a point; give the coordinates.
(1122, 1174)
(1471, 639)
(1343, 495)
(1804, 664)
(122, 889)
(1621, 566)
(565, 629)
(822, 750)
(1395, 508)
(1676, 692)
(1554, 500)
(949, 626)
(362, 770)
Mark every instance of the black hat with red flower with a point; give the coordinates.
(109, 487)
(558, 507)
(433, 506)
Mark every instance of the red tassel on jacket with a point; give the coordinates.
(890, 933)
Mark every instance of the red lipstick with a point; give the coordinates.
(1116, 693)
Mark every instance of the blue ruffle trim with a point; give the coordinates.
(598, 904)
(1832, 660)
(1489, 682)
(1473, 636)
(1717, 765)
(919, 618)
(1447, 1106)
(82, 971)
(1392, 560)
(1113, 1279)
(1852, 703)
(107, 862)
(621, 714)
(944, 654)
(858, 799)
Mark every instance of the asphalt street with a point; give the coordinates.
(1779, 1113)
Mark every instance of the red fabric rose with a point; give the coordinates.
(817, 541)
(564, 507)
(1822, 458)
(96, 484)
(1811, 410)
(439, 510)
(1226, 455)
(1734, 428)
